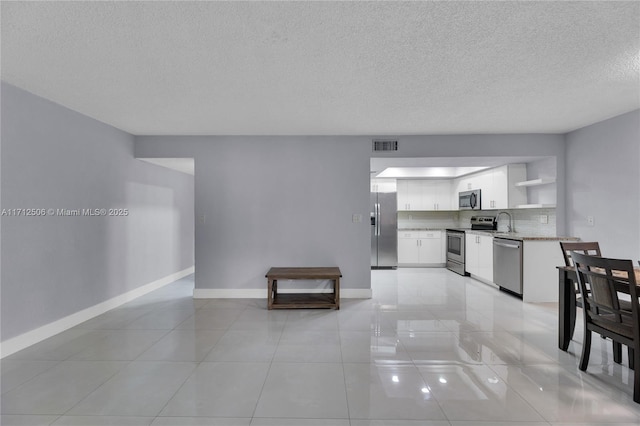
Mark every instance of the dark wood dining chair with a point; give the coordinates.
(584, 247)
(601, 280)
(591, 248)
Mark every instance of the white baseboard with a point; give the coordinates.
(32, 337)
(261, 293)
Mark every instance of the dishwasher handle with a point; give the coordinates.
(501, 244)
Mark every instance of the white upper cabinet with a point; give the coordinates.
(436, 194)
(500, 190)
(474, 181)
(403, 194)
(416, 201)
(498, 186)
(424, 195)
(383, 185)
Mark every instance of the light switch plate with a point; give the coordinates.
(356, 218)
(590, 220)
(544, 218)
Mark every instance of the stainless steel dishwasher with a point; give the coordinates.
(507, 265)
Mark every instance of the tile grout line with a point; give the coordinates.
(344, 374)
(266, 376)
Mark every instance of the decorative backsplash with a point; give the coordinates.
(525, 221)
(423, 219)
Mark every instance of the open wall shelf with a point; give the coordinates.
(536, 182)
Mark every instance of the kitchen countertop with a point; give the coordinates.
(421, 229)
(523, 237)
(501, 234)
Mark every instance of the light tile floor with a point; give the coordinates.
(430, 348)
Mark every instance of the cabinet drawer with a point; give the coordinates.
(430, 234)
(409, 234)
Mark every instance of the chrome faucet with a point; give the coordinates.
(510, 225)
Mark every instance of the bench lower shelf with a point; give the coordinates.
(304, 300)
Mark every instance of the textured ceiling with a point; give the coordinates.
(314, 68)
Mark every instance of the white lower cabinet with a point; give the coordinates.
(420, 248)
(539, 273)
(471, 250)
(479, 256)
(408, 250)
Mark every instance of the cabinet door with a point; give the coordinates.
(485, 183)
(429, 195)
(383, 185)
(471, 253)
(485, 257)
(499, 195)
(415, 191)
(403, 194)
(430, 251)
(468, 183)
(501, 192)
(443, 195)
(408, 250)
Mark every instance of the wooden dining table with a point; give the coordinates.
(567, 279)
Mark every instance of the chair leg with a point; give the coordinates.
(631, 357)
(617, 352)
(636, 376)
(586, 351)
(572, 320)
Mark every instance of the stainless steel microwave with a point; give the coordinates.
(469, 200)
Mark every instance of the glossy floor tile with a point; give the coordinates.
(16, 372)
(430, 348)
(389, 392)
(142, 388)
(103, 421)
(219, 389)
(57, 390)
(304, 390)
(475, 392)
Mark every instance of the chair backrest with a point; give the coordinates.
(585, 247)
(601, 280)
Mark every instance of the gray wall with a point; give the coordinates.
(289, 201)
(275, 201)
(603, 181)
(54, 266)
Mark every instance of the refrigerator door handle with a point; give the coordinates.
(378, 219)
(375, 221)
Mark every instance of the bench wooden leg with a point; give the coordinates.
(270, 288)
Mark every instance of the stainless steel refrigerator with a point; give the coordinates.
(384, 230)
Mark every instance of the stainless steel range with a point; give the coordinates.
(455, 241)
(455, 251)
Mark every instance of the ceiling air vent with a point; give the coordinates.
(385, 145)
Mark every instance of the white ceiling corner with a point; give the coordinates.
(317, 68)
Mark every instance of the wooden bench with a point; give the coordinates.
(303, 300)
